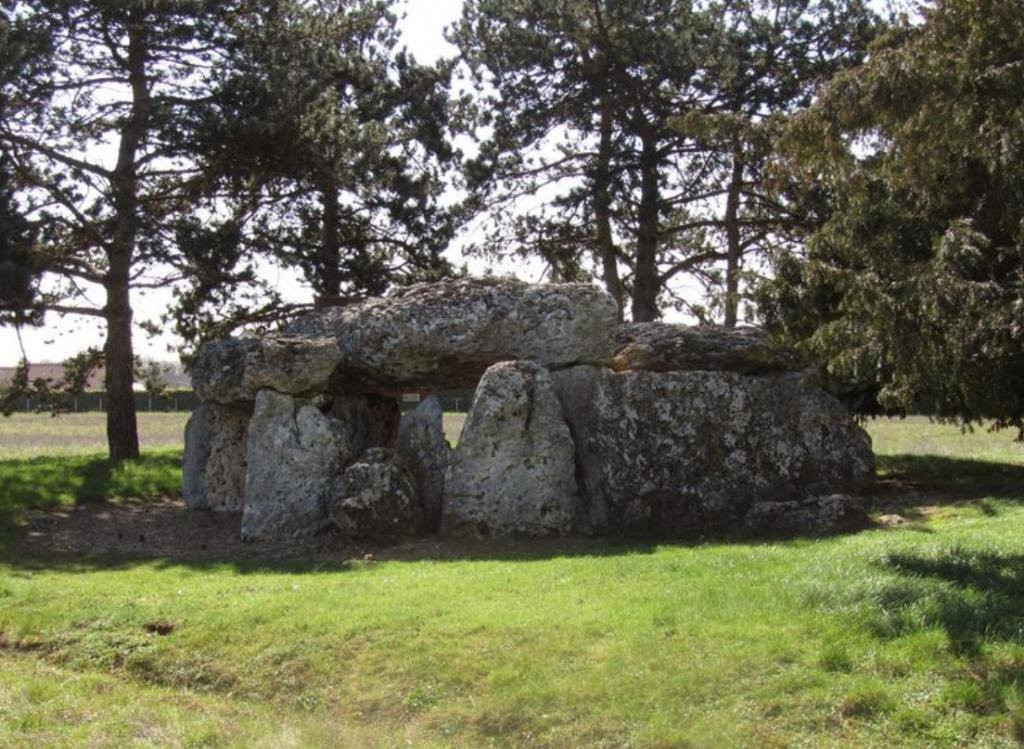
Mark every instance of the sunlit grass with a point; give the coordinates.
(27, 435)
(909, 636)
(917, 435)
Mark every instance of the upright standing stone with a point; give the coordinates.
(214, 462)
(425, 451)
(512, 472)
(682, 453)
(295, 455)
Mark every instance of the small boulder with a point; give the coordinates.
(425, 451)
(891, 520)
(213, 475)
(667, 347)
(375, 499)
(513, 472)
(814, 516)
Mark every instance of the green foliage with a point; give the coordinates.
(642, 130)
(18, 270)
(765, 63)
(58, 396)
(334, 143)
(14, 389)
(913, 286)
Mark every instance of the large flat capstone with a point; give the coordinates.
(429, 336)
(235, 369)
(445, 335)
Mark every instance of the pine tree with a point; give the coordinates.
(92, 130)
(336, 143)
(913, 285)
(635, 125)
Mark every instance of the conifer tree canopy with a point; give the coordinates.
(913, 286)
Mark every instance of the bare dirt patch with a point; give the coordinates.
(165, 529)
(153, 528)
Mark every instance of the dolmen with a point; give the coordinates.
(579, 424)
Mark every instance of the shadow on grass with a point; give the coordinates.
(976, 598)
(326, 554)
(54, 481)
(156, 531)
(970, 479)
(972, 595)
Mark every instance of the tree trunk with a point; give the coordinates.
(734, 253)
(646, 283)
(329, 260)
(119, 358)
(606, 249)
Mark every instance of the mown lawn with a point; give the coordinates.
(44, 435)
(911, 635)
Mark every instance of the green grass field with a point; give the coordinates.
(904, 636)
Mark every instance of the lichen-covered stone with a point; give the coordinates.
(668, 347)
(682, 453)
(234, 370)
(374, 499)
(814, 516)
(444, 335)
(702, 428)
(512, 472)
(295, 454)
(425, 451)
(214, 461)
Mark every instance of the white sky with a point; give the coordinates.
(63, 336)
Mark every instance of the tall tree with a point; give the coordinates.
(96, 145)
(21, 52)
(765, 60)
(579, 98)
(336, 143)
(914, 283)
(638, 127)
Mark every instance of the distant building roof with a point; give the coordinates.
(54, 373)
(173, 377)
